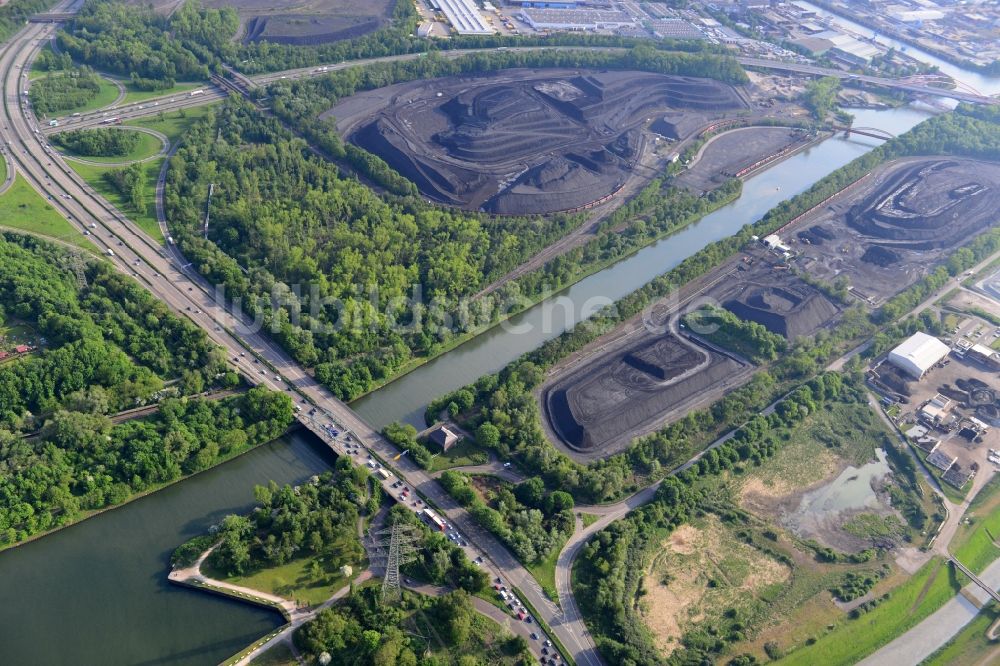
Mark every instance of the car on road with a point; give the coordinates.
(534, 636)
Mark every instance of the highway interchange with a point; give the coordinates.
(165, 272)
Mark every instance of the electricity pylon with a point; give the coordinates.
(393, 547)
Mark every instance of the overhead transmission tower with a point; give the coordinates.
(74, 262)
(392, 547)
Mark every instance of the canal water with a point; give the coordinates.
(405, 398)
(988, 85)
(96, 593)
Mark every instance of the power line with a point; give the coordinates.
(394, 547)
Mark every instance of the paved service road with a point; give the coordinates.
(940, 626)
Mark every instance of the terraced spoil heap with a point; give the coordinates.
(926, 205)
(526, 142)
(603, 405)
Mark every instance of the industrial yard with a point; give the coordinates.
(879, 235)
(309, 21)
(737, 153)
(598, 409)
(527, 141)
(959, 31)
(896, 224)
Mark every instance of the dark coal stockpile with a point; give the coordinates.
(303, 24)
(880, 256)
(791, 310)
(601, 406)
(527, 142)
(926, 205)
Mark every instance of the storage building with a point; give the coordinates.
(918, 354)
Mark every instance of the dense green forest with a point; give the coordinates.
(747, 338)
(59, 91)
(332, 255)
(507, 402)
(103, 348)
(154, 50)
(13, 14)
(532, 521)
(318, 518)
(110, 338)
(418, 631)
(50, 61)
(80, 462)
(341, 262)
(821, 96)
(100, 142)
(130, 182)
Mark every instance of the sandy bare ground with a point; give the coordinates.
(690, 556)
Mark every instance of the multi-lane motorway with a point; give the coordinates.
(165, 272)
(211, 93)
(162, 271)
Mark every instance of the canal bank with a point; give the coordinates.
(101, 585)
(97, 592)
(405, 399)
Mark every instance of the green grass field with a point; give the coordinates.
(23, 208)
(466, 452)
(969, 647)
(148, 146)
(146, 218)
(908, 604)
(974, 543)
(173, 125)
(293, 580)
(132, 94)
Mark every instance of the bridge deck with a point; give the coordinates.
(975, 579)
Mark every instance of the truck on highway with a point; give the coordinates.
(199, 91)
(433, 519)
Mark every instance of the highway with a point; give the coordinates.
(166, 274)
(212, 93)
(252, 352)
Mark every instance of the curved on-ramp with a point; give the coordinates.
(162, 152)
